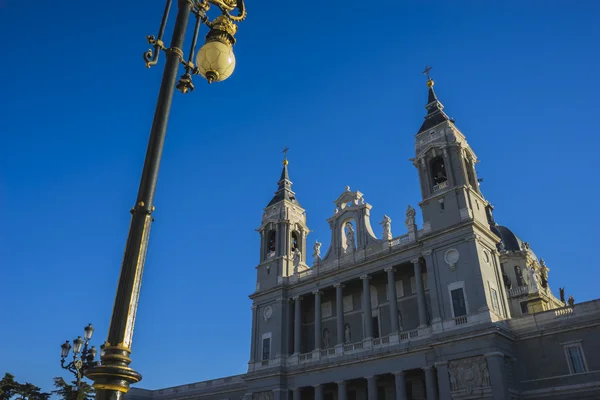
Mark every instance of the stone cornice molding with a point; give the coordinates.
(494, 354)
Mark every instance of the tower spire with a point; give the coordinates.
(284, 186)
(435, 114)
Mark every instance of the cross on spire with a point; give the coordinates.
(426, 72)
(285, 160)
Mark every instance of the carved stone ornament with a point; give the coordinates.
(451, 258)
(469, 374)
(267, 313)
(263, 396)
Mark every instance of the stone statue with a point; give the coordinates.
(400, 328)
(544, 273)
(501, 246)
(349, 238)
(410, 216)
(507, 281)
(562, 294)
(317, 250)
(387, 227)
(571, 301)
(326, 338)
(533, 284)
(297, 259)
(347, 334)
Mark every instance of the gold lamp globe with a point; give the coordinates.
(215, 61)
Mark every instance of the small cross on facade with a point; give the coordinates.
(285, 150)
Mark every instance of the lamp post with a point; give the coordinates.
(215, 62)
(83, 357)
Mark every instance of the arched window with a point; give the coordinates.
(295, 241)
(271, 243)
(438, 170)
(519, 276)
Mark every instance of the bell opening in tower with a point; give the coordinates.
(438, 173)
(295, 242)
(271, 244)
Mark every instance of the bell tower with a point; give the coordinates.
(282, 235)
(446, 165)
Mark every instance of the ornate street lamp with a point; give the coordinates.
(83, 357)
(215, 62)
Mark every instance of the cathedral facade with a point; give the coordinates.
(458, 308)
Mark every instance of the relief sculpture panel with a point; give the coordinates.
(469, 374)
(262, 396)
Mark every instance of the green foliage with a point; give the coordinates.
(69, 392)
(13, 390)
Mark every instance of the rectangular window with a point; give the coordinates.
(458, 302)
(413, 285)
(495, 302)
(524, 308)
(348, 303)
(575, 358)
(326, 309)
(266, 348)
(399, 289)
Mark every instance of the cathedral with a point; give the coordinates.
(456, 308)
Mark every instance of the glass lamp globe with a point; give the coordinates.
(64, 349)
(77, 345)
(88, 331)
(215, 61)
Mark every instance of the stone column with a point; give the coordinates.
(278, 394)
(430, 384)
(371, 388)
(391, 281)
(318, 392)
(420, 293)
(317, 294)
(443, 380)
(342, 390)
(297, 395)
(368, 316)
(497, 372)
(400, 385)
(253, 337)
(436, 307)
(297, 324)
(248, 396)
(339, 312)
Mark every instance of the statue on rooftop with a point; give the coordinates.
(410, 216)
(387, 227)
(317, 250)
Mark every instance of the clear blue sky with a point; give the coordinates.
(337, 82)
